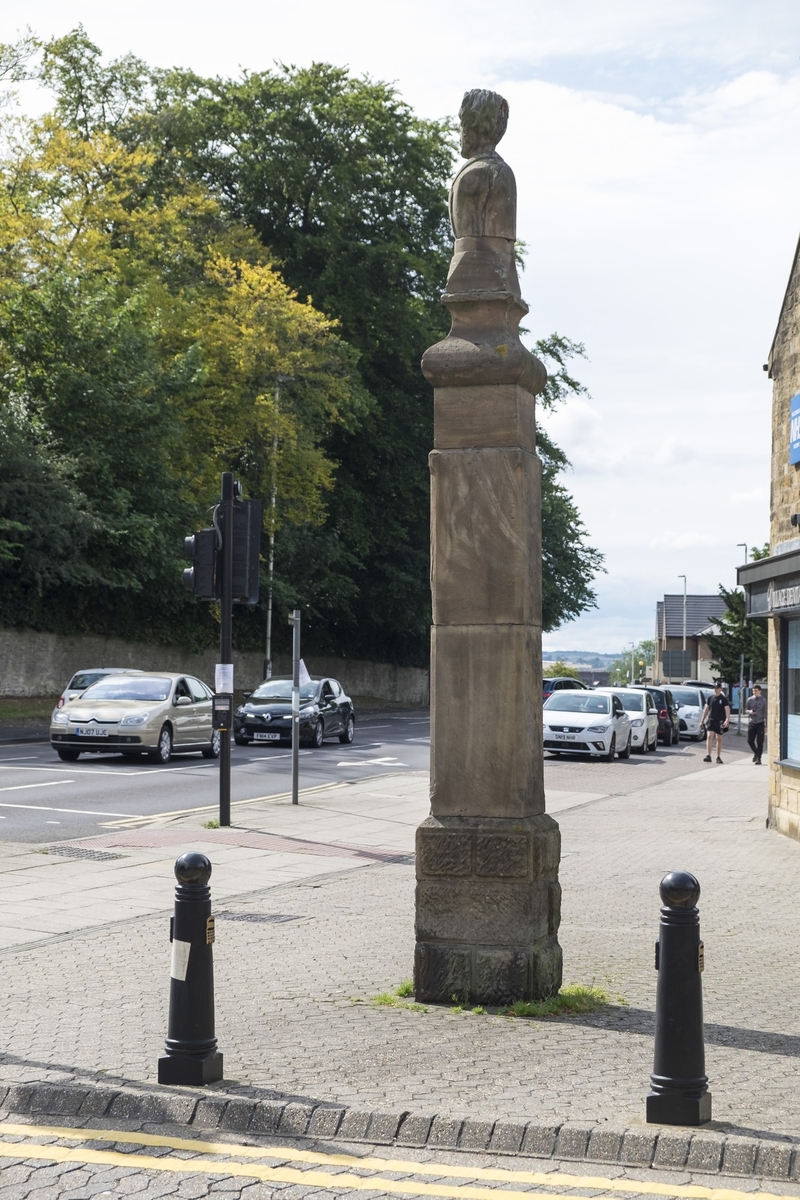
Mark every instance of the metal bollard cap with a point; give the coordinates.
(193, 868)
(679, 889)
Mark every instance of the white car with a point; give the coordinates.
(691, 702)
(640, 707)
(81, 680)
(578, 722)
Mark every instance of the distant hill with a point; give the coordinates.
(581, 658)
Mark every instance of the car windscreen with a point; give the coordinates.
(632, 701)
(84, 679)
(578, 701)
(281, 689)
(135, 687)
(687, 696)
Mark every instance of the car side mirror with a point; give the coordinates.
(182, 701)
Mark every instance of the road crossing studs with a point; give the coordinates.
(191, 1047)
(679, 1085)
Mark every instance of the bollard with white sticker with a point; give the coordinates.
(192, 1056)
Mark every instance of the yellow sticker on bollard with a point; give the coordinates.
(180, 960)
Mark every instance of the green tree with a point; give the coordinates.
(559, 667)
(737, 635)
(643, 659)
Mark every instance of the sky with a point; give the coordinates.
(655, 149)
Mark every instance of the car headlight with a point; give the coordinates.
(306, 712)
(598, 728)
(240, 712)
(60, 717)
(135, 719)
(639, 721)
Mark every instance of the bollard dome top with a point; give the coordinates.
(680, 889)
(193, 868)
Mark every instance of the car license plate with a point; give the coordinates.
(266, 737)
(93, 731)
(565, 737)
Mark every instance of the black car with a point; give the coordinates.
(669, 724)
(266, 715)
(558, 683)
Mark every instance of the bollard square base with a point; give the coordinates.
(183, 1068)
(678, 1110)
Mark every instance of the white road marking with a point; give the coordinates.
(23, 787)
(20, 758)
(84, 812)
(372, 762)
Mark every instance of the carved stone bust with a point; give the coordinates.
(483, 198)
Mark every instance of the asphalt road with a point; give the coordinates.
(44, 800)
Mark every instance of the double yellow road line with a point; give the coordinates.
(252, 1162)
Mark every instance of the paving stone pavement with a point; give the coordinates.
(294, 996)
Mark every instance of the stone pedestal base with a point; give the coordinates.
(488, 910)
(186, 1069)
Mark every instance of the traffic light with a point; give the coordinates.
(246, 550)
(201, 577)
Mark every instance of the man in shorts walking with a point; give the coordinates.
(757, 712)
(717, 716)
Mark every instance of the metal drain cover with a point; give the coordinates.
(259, 918)
(81, 852)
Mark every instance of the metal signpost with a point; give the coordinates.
(224, 684)
(294, 621)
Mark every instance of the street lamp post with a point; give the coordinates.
(744, 547)
(633, 647)
(273, 501)
(683, 660)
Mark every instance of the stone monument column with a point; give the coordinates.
(488, 897)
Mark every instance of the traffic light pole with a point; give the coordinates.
(226, 640)
(295, 623)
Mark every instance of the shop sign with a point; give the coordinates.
(794, 429)
(785, 597)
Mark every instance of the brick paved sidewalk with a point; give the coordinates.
(297, 966)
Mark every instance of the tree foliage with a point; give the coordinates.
(643, 661)
(738, 635)
(206, 274)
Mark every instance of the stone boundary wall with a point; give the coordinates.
(40, 664)
(708, 1152)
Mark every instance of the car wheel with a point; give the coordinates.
(318, 735)
(163, 751)
(626, 753)
(212, 751)
(612, 750)
(346, 738)
(68, 755)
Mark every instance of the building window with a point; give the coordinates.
(791, 706)
(676, 664)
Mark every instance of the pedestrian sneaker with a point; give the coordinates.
(758, 762)
(755, 759)
(707, 758)
(719, 760)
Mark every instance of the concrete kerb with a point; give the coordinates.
(710, 1151)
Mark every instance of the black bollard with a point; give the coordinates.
(679, 1084)
(191, 1046)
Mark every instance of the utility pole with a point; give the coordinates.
(273, 502)
(294, 621)
(683, 660)
(224, 682)
(741, 696)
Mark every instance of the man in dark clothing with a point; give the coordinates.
(716, 715)
(757, 712)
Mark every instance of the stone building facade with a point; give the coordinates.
(772, 585)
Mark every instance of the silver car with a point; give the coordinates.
(152, 714)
